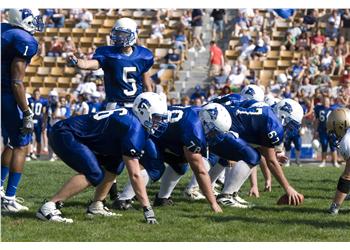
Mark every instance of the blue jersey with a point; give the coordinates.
(321, 113)
(15, 42)
(94, 107)
(234, 100)
(37, 107)
(184, 130)
(256, 125)
(108, 133)
(122, 73)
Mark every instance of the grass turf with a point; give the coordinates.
(185, 221)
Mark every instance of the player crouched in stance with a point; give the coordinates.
(338, 125)
(108, 138)
(18, 46)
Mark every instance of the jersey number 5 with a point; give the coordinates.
(131, 81)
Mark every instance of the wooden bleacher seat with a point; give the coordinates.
(160, 53)
(286, 55)
(152, 43)
(270, 64)
(56, 71)
(255, 65)
(265, 76)
(49, 61)
(50, 82)
(273, 54)
(31, 70)
(64, 32)
(50, 32)
(69, 71)
(103, 32)
(85, 41)
(96, 23)
(36, 81)
(60, 61)
(90, 32)
(43, 71)
(275, 45)
(99, 41)
(283, 64)
(231, 54)
(64, 82)
(77, 32)
(108, 23)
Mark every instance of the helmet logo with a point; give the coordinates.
(213, 113)
(143, 105)
(287, 108)
(26, 13)
(250, 91)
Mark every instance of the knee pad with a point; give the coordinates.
(181, 169)
(343, 185)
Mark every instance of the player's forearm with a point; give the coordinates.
(277, 172)
(18, 67)
(147, 82)
(254, 177)
(136, 180)
(88, 64)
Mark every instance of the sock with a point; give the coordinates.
(222, 176)
(4, 173)
(169, 180)
(235, 177)
(193, 183)
(12, 184)
(215, 172)
(128, 191)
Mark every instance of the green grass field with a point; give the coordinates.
(185, 221)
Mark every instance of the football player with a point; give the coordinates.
(38, 105)
(125, 64)
(338, 125)
(190, 131)
(18, 46)
(262, 128)
(321, 113)
(108, 138)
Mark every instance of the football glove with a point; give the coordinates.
(28, 123)
(149, 215)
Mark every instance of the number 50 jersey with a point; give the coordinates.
(257, 125)
(123, 73)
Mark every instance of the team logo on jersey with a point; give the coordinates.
(250, 91)
(287, 108)
(213, 113)
(143, 105)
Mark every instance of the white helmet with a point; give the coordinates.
(152, 111)
(254, 92)
(315, 144)
(282, 78)
(124, 32)
(290, 113)
(216, 121)
(53, 93)
(28, 19)
(271, 100)
(96, 94)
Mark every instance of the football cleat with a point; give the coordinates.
(33, 156)
(298, 163)
(336, 165)
(323, 164)
(50, 212)
(334, 209)
(122, 204)
(98, 208)
(158, 202)
(347, 198)
(12, 205)
(287, 164)
(2, 192)
(113, 192)
(228, 201)
(236, 197)
(193, 194)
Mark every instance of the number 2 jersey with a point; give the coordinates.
(109, 133)
(123, 73)
(15, 42)
(256, 125)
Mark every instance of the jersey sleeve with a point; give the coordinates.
(100, 56)
(133, 142)
(193, 137)
(274, 132)
(147, 59)
(25, 48)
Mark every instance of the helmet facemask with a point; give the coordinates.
(157, 124)
(122, 37)
(213, 135)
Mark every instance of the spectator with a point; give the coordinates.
(180, 39)
(298, 69)
(87, 86)
(337, 63)
(41, 48)
(197, 102)
(58, 18)
(226, 90)
(4, 16)
(185, 101)
(55, 48)
(68, 46)
(186, 19)
(236, 79)
(290, 42)
(211, 93)
(318, 40)
(331, 28)
(157, 29)
(241, 22)
(257, 22)
(216, 59)
(303, 42)
(219, 18)
(327, 48)
(62, 111)
(221, 79)
(287, 14)
(173, 101)
(322, 77)
(81, 106)
(343, 46)
(243, 41)
(345, 24)
(198, 93)
(247, 51)
(307, 87)
(326, 61)
(74, 14)
(310, 19)
(173, 59)
(47, 18)
(84, 19)
(197, 26)
(260, 49)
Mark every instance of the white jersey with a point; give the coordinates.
(344, 146)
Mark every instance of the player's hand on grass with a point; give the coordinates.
(254, 191)
(28, 123)
(282, 159)
(268, 187)
(216, 208)
(149, 215)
